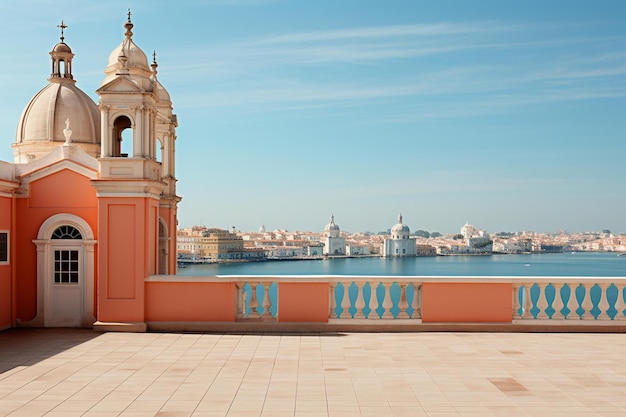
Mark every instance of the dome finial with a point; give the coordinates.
(154, 64)
(62, 26)
(128, 25)
(400, 218)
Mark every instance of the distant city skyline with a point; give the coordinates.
(508, 115)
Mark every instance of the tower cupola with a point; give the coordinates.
(61, 59)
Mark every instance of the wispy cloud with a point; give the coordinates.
(492, 65)
(380, 32)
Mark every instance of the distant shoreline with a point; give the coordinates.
(186, 262)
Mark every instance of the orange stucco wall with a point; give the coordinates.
(303, 302)
(122, 244)
(62, 192)
(6, 303)
(128, 245)
(467, 302)
(190, 301)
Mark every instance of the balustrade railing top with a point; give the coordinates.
(402, 297)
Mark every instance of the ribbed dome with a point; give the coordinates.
(400, 229)
(331, 226)
(43, 119)
(62, 47)
(137, 59)
(128, 59)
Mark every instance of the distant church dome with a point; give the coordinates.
(399, 230)
(41, 125)
(331, 228)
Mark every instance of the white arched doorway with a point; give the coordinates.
(65, 272)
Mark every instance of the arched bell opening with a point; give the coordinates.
(122, 137)
(159, 150)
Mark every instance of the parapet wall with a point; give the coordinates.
(388, 304)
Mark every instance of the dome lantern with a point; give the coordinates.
(400, 230)
(331, 228)
(61, 59)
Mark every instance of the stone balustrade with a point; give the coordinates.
(600, 299)
(330, 302)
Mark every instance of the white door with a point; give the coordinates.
(64, 306)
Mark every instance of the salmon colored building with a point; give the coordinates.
(82, 223)
(88, 214)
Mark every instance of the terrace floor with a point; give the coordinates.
(73, 372)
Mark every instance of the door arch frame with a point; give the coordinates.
(45, 252)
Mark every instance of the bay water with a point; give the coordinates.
(570, 264)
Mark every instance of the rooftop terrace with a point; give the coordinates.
(74, 372)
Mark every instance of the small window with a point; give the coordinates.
(4, 247)
(66, 267)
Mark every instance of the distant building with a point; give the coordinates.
(426, 250)
(281, 252)
(357, 250)
(469, 231)
(224, 245)
(400, 243)
(334, 244)
(480, 245)
(513, 245)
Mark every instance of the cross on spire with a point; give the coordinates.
(129, 13)
(63, 26)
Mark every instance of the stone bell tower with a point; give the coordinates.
(137, 188)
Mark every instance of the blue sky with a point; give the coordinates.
(508, 115)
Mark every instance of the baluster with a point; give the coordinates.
(360, 300)
(417, 300)
(267, 303)
(366, 290)
(331, 301)
(345, 302)
(254, 302)
(595, 295)
(379, 295)
(583, 300)
(535, 295)
(557, 304)
(620, 304)
(519, 301)
(240, 312)
(611, 299)
(550, 295)
(565, 295)
(387, 302)
(580, 293)
(542, 302)
(403, 304)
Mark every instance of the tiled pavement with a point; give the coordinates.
(71, 372)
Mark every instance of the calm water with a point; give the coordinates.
(558, 264)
